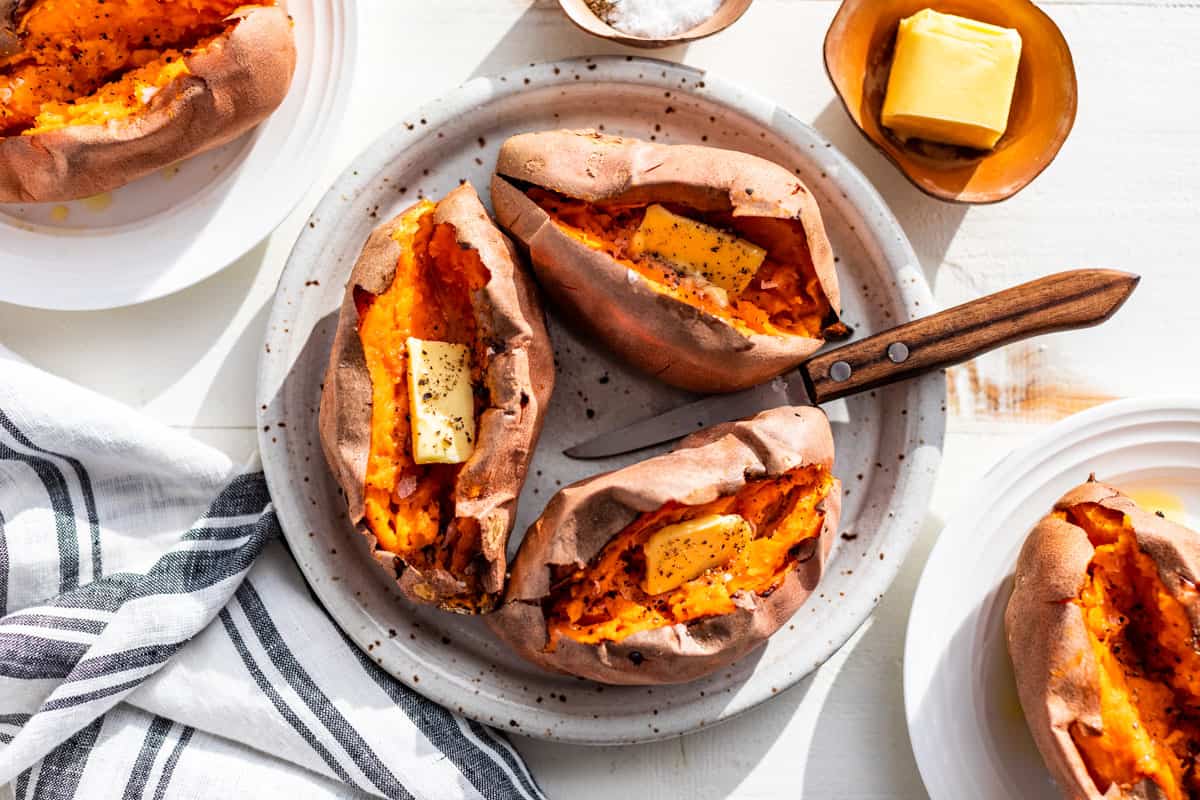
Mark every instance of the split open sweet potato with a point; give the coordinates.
(674, 567)
(707, 268)
(441, 275)
(96, 93)
(1102, 629)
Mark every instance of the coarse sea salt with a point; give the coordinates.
(654, 19)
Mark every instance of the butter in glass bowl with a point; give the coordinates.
(952, 80)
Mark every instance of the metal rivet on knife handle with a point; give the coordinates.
(840, 371)
(897, 352)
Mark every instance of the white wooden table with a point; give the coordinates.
(1122, 193)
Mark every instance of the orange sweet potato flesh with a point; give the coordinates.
(88, 61)
(604, 601)
(784, 298)
(408, 506)
(1149, 677)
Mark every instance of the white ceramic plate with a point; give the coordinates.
(172, 229)
(889, 443)
(968, 732)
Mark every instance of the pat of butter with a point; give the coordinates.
(676, 554)
(724, 260)
(441, 402)
(952, 80)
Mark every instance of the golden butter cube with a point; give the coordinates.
(441, 402)
(720, 258)
(676, 554)
(952, 80)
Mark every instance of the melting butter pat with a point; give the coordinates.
(952, 80)
(720, 258)
(441, 402)
(676, 554)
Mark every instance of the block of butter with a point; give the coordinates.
(720, 258)
(952, 80)
(676, 554)
(441, 402)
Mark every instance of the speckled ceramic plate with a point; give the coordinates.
(968, 732)
(889, 442)
(180, 225)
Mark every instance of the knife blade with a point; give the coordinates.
(1064, 301)
(689, 418)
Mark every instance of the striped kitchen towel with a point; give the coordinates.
(157, 640)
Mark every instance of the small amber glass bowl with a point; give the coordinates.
(858, 58)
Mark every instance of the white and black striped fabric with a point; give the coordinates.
(157, 640)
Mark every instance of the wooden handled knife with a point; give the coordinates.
(1067, 300)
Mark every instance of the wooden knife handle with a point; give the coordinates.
(1075, 299)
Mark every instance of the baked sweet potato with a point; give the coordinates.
(95, 93)
(1102, 628)
(745, 295)
(439, 272)
(604, 587)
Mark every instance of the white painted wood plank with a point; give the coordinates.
(240, 444)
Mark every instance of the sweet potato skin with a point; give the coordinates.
(232, 85)
(1056, 670)
(580, 519)
(519, 379)
(680, 344)
(10, 12)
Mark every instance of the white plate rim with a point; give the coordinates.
(929, 393)
(1001, 478)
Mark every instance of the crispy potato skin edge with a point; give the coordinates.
(676, 342)
(233, 85)
(519, 380)
(581, 518)
(1055, 669)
